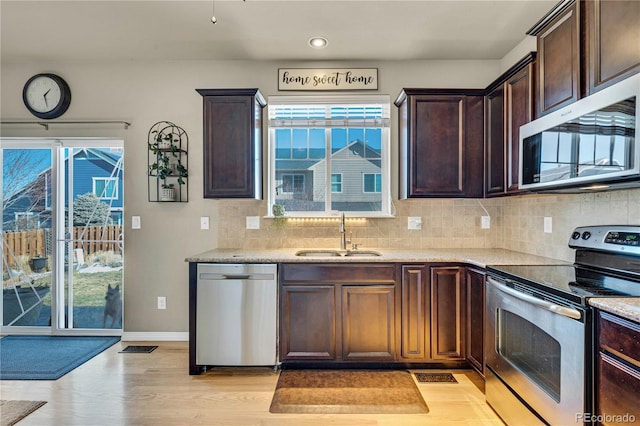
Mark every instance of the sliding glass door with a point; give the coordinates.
(62, 207)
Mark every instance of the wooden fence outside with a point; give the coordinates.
(34, 243)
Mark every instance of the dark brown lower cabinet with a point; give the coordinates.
(618, 370)
(379, 313)
(432, 314)
(338, 312)
(368, 322)
(447, 313)
(414, 296)
(475, 284)
(308, 321)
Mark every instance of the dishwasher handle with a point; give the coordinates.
(218, 277)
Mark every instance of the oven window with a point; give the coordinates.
(532, 351)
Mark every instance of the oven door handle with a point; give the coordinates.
(552, 307)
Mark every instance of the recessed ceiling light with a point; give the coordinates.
(318, 42)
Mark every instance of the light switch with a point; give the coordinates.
(485, 222)
(204, 222)
(548, 225)
(253, 222)
(415, 222)
(135, 222)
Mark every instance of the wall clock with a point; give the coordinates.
(46, 95)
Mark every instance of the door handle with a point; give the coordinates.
(552, 307)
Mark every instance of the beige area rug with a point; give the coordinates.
(11, 412)
(347, 392)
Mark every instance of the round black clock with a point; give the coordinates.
(46, 96)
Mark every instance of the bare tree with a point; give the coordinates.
(26, 176)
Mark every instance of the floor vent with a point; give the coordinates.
(138, 349)
(435, 378)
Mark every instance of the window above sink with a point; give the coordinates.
(329, 154)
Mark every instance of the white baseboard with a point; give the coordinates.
(145, 336)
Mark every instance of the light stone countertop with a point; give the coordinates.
(626, 307)
(476, 257)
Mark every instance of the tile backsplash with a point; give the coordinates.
(517, 223)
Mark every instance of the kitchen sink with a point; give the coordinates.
(319, 253)
(337, 253)
(362, 253)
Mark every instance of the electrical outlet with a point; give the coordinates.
(485, 222)
(548, 225)
(135, 222)
(414, 222)
(204, 222)
(162, 302)
(253, 222)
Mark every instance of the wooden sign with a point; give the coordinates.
(327, 79)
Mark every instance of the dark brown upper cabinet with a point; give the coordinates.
(558, 39)
(583, 47)
(441, 143)
(232, 151)
(612, 36)
(508, 105)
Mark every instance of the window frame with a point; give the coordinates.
(293, 183)
(331, 100)
(376, 190)
(337, 183)
(106, 180)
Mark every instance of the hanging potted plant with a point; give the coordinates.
(166, 145)
(167, 192)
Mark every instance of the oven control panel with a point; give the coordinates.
(612, 238)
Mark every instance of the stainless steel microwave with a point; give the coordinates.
(590, 144)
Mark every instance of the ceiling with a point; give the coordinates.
(357, 30)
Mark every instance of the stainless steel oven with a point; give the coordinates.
(538, 345)
(539, 329)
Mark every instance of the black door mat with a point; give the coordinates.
(138, 349)
(435, 378)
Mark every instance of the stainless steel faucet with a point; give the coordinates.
(343, 234)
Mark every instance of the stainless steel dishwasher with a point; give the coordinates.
(236, 315)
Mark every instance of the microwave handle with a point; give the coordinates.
(552, 307)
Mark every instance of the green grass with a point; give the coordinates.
(88, 289)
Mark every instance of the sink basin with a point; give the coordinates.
(319, 253)
(337, 253)
(362, 253)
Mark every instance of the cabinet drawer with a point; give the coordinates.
(620, 337)
(618, 388)
(353, 273)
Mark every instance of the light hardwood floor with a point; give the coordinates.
(155, 389)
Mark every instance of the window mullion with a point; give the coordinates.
(327, 154)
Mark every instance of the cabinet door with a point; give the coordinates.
(496, 149)
(307, 322)
(413, 317)
(444, 156)
(475, 282)
(519, 111)
(613, 41)
(618, 368)
(447, 313)
(618, 389)
(559, 61)
(232, 149)
(368, 323)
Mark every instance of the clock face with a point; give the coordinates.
(46, 96)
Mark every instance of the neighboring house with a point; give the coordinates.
(355, 179)
(95, 171)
